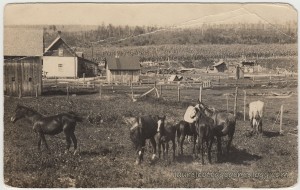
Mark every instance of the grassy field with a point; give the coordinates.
(106, 157)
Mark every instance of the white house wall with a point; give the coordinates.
(54, 66)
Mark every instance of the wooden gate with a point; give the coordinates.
(23, 77)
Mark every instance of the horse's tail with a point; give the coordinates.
(75, 116)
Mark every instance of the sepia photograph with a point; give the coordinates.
(150, 95)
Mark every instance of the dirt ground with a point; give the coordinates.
(106, 157)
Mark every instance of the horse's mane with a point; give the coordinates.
(27, 108)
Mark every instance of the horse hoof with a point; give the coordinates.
(76, 152)
(137, 162)
(153, 157)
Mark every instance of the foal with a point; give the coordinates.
(165, 134)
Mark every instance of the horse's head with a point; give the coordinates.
(160, 123)
(20, 112)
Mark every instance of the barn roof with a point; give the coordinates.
(23, 42)
(123, 63)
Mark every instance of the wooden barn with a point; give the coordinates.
(61, 61)
(23, 51)
(122, 69)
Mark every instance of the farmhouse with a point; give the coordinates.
(23, 51)
(220, 66)
(124, 69)
(61, 61)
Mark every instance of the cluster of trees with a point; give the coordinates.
(152, 35)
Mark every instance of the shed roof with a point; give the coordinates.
(219, 63)
(23, 42)
(123, 63)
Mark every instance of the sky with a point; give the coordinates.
(158, 14)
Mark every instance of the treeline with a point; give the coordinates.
(106, 35)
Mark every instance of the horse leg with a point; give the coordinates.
(152, 140)
(219, 148)
(202, 150)
(167, 150)
(194, 145)
(39, 142)
(74, 140)
(209, 148)
(174, 147)
(182, 137)
(68, 140)
(42, 136)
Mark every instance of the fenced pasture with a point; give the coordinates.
(106, 157)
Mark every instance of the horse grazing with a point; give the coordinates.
(166, 133)
(50, 125)
(143, 128)
(203, 129)
(223, 124)
(255, 115)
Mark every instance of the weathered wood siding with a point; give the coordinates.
(123, 76)
(23, 77)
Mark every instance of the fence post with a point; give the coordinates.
(200, 93)
(281, 116)
(83, 75)
(131, 90)
(20, 91)
(227, 101)
(245, 95)
(178, 98)
(36, 90)
(68, 91)
(235, 101)
(100, 90)
(160, 90)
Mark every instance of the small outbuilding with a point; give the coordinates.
(175, 78)
(122, 69)
(220, 66)
(248, 66)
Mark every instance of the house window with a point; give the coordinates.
(60, 67)
(30, 79)
(60, 52)
(13, 79)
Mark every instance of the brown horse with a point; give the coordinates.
(143, 128)
(223, 124)
(51, 125)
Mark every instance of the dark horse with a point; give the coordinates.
(165, 134)
(203, 128)
(183, 129)
(223, 124)
(51, 125)
(143, 128)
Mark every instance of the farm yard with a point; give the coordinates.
(122, 80)
(106, 157)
